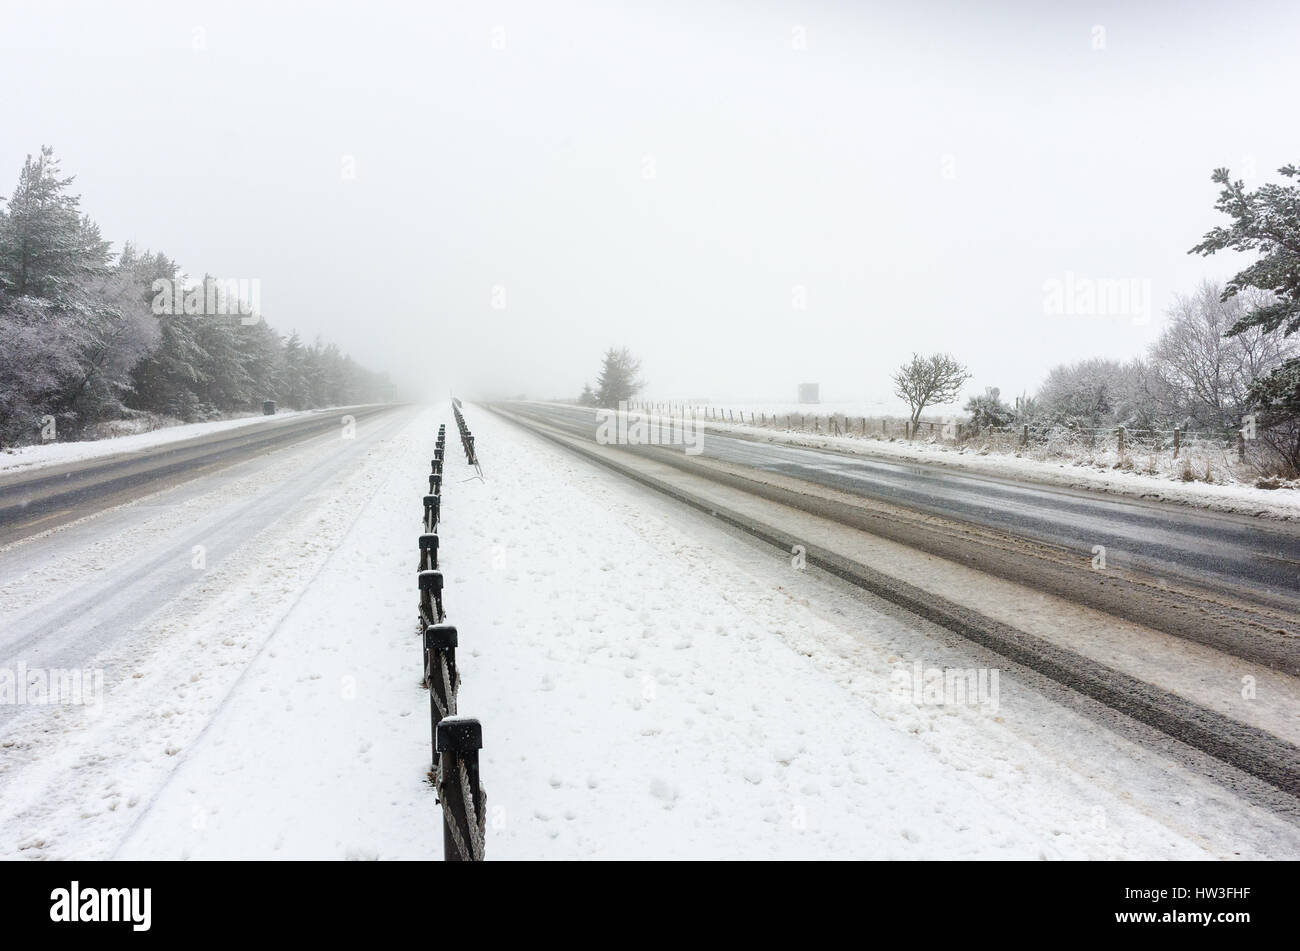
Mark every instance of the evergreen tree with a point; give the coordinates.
(82, 342)
(293, 387)
(988, 410)
(1266, 223)
(618, 378)
(165, 380)
(48, 249)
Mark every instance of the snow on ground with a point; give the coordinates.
(642, 695)
(650, 685)
(55, 453)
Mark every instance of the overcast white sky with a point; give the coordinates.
(664, 175)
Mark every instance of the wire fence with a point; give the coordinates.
(1207, 455)
(1122, 438)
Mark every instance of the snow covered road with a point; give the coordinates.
(1240, 555)
(650, 684)
(42, 487)
(170, 597)
(670, 688)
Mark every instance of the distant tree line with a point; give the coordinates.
(1194, 376)
(1227, 354)
(86, 337)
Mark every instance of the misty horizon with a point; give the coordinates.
(746, 197)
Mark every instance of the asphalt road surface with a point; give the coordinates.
(37, 500)
(130, 527)
(1230, 553)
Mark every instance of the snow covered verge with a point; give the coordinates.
(1282, 502)
(651, 685)
(1091, 472)
(1095, 470)
(56, 453)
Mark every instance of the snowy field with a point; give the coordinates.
(649, 684)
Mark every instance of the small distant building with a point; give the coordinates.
(810, 392)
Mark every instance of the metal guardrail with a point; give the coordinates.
(466, 437)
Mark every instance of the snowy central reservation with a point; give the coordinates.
(650, 683)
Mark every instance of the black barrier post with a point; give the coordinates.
(464, 803)
(428, 552)
(432, 503)
(435, 483)
(441, 676)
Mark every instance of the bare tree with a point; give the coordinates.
(1201, 374)
(929, 381)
